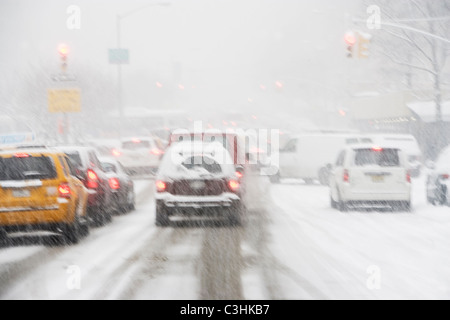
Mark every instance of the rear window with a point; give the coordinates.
(201, 163)
(383, 158)
(76, 159)
(27, 168)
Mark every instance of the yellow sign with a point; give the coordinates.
(64, 100)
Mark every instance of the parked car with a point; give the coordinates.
(140, 155)
(438, 180)
(39, 191)
(306, 156)
(121, 184)
(89, 170)
(370, 176)
(197, 179)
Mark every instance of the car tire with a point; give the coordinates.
(3, 238)
(234, 214)
(131, 206)
(334, 204)
(72, 232)
(324, 176)
(275, 178)
(441, 196)
(162, 216)
(406, 206)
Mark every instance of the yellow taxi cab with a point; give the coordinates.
(39, 191)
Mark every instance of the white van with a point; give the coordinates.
(307, 156)
(370, 176)
(408, 144)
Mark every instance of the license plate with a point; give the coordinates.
(22, 193)
(377, 178)
(197, 185)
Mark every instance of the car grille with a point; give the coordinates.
(189, 187)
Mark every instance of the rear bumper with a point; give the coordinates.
(379, 196)
(224, 200)
(27, 217)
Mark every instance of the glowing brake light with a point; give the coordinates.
(92, 179)
(377, 149)
(136, 140)
(116, 153)
(161, 186)
(114, 184)
(239, 174)
(234, 185)
(156, 152)
(408, 176)
(346, 176)
(64, 191)
(21, 155)
(445, 176)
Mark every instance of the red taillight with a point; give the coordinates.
(239, 174)
(377, 148)
(408, 177)
(116, 153)
(21, 155)
(346, 176)
(234, 185)
(114, 183)
(64, 191)
(156, 152)
(136, 140)
(92, 179)
(161, 186)
(445, 176)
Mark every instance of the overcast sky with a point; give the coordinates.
(226, 47)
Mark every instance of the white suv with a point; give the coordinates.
(370, 176)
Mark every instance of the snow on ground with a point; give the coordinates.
(359, 255)
(292, 246)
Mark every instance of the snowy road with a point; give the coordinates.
(292, 246)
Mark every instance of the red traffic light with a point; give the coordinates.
(350, 38)
(63, 49)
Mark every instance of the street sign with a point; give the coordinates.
(118, 56)
(64, 100)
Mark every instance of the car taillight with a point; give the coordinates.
(114, 183)
(21, 155)
(161, 186)
(92, 179)
(408, 176)
(64, 191)
(445, 176)
(239, 174)
(116, 153)
(346, 176)
(156, 152)
(233, 185)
